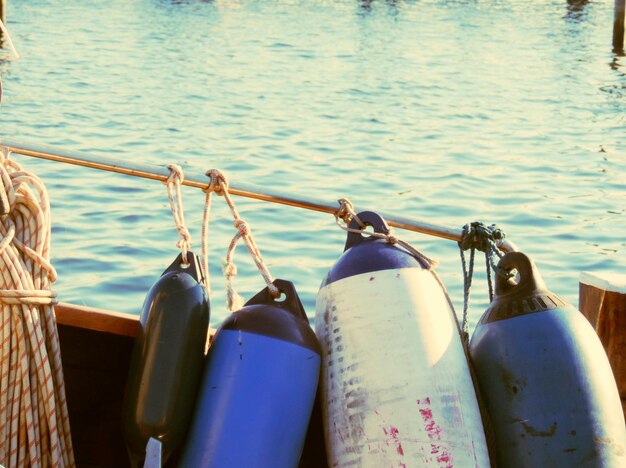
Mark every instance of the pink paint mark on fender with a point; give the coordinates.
(394, 435)
(393, 438)
(439, 451)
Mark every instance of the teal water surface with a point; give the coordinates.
(508, 112)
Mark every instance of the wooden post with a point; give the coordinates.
(618, 25)
(602, 299)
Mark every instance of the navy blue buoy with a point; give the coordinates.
(258, 387)
(167, 361)
(545, 378)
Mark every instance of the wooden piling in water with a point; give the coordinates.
(602, 299)
(3, 13)
(618, 25)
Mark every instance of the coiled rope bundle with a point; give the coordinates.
(34, 422)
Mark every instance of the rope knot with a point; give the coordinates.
(242, 227)
(229, 269)
(478, 236)
(347, 213)
(218, 183)
(176, 174)
(184, 243)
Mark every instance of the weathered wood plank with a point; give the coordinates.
(602, 299)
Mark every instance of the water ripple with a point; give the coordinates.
(506, 112)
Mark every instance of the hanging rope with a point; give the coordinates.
(219, 185)
(346, 213)
(477, 236)
(176, 204)
(5, 32)
(34, 422)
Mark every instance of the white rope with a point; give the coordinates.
(5, 31)
(176, 204)
(205, 241)
(34, 422)
(219, 185)
(346, 213)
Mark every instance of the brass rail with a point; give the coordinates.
(161, 173)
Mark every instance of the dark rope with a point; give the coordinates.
(489, 280)
(478, 236)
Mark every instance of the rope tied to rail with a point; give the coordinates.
(34, 422)
(346, 213)
(173, 183)
(219, 185)
(478, 236)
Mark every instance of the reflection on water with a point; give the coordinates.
(366, 6)
(617, 63)
(576, 9)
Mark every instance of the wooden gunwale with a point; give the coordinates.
(91, 318)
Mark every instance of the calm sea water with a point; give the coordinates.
(508, 112)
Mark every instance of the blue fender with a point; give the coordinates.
(545, 378)
(258, 387)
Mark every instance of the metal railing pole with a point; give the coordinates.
(161, 173)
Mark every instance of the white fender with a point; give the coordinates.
(396, 387)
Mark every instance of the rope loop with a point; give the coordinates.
(478, 236)
(347, 213)
(177, 176)
(173, 183)
(219, 185)
(218, 182)
(7, 190)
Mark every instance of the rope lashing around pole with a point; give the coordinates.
(219, 185)
(346, 213)
(176, 204)
(478, 236)
(34, 421)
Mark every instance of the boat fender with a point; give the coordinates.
(396, 387)
(167, 360)
(258, 386)
(545, 378)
